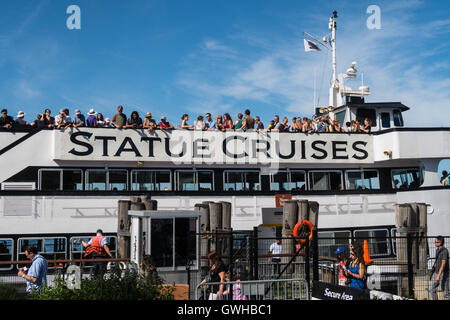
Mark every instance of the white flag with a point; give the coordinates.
(310, 46)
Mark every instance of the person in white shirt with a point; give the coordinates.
(275, 250)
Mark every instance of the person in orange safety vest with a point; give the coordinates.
(97, 248)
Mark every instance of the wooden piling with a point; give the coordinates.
(290, 212)
(313, 213)
(215, 224)
(404, 217)
(303, 210)
(205, 238)
(123, 228)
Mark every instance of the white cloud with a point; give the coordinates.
(25, 91)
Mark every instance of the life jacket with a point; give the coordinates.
(95, 246)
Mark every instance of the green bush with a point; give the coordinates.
(8, 292)
(112, 287)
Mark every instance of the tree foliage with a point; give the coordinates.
(114, 286)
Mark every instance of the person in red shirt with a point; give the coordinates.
(165, 125)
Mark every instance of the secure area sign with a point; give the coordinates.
(328, 291)
(183, 146)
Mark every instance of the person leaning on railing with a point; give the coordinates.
(216, 273)
(6, 121)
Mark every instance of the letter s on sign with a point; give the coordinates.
(88, 146)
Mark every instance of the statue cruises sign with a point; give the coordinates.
(197, 147)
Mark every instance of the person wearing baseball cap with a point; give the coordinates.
(79, 119)
(343, 262)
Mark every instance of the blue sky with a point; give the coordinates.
(175, 57)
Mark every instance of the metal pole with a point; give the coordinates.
(230, 250)
(410, 267)
(255, 253)
(307, 265)
(315, 256)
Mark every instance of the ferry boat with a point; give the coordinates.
(58, 186)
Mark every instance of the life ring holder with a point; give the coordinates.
(299, 226)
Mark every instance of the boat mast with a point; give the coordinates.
(334, 90)
(332, 26)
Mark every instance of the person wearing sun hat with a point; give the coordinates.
(343, 262)
(91, 120)
(20, 121)
(149, 123)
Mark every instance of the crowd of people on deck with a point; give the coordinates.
(243, 122)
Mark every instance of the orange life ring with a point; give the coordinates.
(299, 225)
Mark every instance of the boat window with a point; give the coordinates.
(205, 180)
(329, 241)
(371, 179)
(186, 181)
(72, 180)
(403, 179)
(194, 180)
(117, 180)
(101, 180)
(96, 180)
(385, 119)
(361, 114)
(398, 119)
(61, 179)
(377, 240)
(76, 248)
(279, 181)
(358, 180)
(325, 180)
(241, 180)
(50, 179)
(287, 180)
(354, 180)
(54, 248)
(298, 180)
(6, 252)
(151, 180)
(340, 116)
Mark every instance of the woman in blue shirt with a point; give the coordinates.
(357, 268)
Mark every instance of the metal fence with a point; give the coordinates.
(275, 289)
(400, 263)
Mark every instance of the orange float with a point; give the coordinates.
(301, 225)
